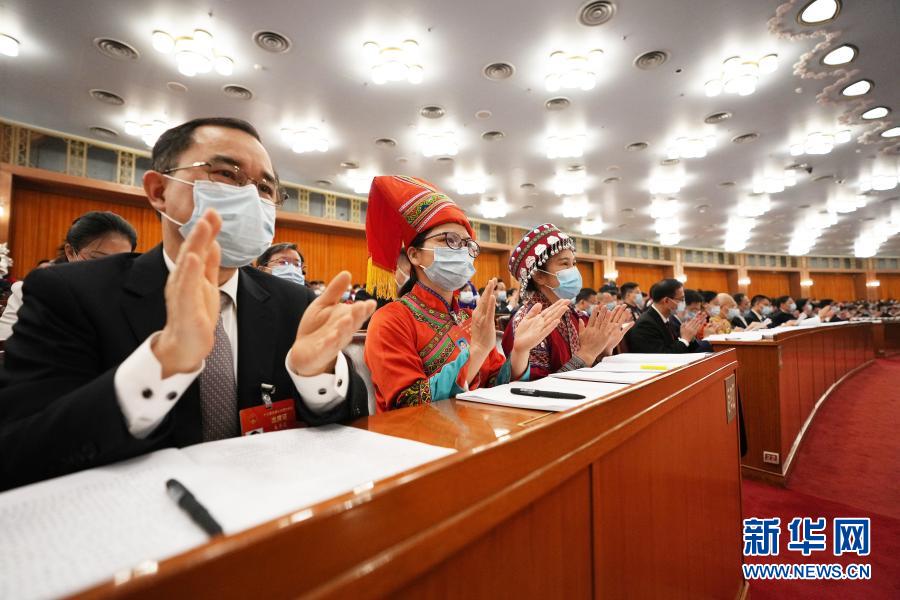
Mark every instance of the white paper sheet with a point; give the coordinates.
(739, 336)
(502, 396)
(63, 535)
(636, 357)
(606, 376)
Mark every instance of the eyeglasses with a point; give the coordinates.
(221, 171)
(455, 241)
(283, 262)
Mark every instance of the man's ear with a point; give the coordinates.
(155, 187)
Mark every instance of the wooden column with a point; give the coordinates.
(6, 188)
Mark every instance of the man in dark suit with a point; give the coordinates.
(652, 334)
(760, 309)
(784, 315)
(121, 356)
(692, 303)
(743, 305)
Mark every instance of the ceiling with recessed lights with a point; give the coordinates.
(700, 123)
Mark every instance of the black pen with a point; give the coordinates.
(196, 511)
(546, 394)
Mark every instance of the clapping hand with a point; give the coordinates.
(690, 329)
(326, 327)
(603, 331)
(537, 325)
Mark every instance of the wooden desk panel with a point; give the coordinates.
(639, 492)
(891, 337)
(783, 380)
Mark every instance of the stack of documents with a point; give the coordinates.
(634, 362)
(502, 395)
(589, 374)
(63, 535)
(738, 336)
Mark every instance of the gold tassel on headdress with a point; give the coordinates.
(380, 282)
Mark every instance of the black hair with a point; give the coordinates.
(801, 302)
(584, 294)
(758, 298)
(173, 142)
(650, 292)
(610, 288)
(274, 249)
(626, 288)
(43, 261)
(708, 296)
(739, 297)
(92, 225)
(780, 300)
(664, 289)
(692, 296)
(413, 275)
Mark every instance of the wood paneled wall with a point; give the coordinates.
(840, 287)
(643, 275)
(890, 286)
(328, 253)
(769, 283)
(40, 220)
(711, 280)
(490, 264)
(586, 268)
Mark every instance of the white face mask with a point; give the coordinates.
(466, 297)
(248, 223)
(289, 272)
(714, 311)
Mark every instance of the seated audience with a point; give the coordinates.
(425, 347)
(468, 296)
(633, 299)
(585, 302)
(743, 305)
(544, 264)
(284, 260)
(760, 309)
(652, 334)
(784, 313)
(93, 235)
(118, 357)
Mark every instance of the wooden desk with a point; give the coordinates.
(782, 382)
(635, 496)
(886, 336)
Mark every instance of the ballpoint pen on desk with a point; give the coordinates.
(546, 394)
(196, 511)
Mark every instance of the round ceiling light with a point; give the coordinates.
(107, 97)
(349, 164)
(385, 142)
(726, 184)
(596, 13)
(636, 147)
(612, 180)
(651, 60)
(238, 92)
(859, 88)
(559, 103)
(840, 55)
(432, 112)
(499, 71)
(104, 132)
(272, 41)
(876, 113)
(666, 162)
(481, 115)
(527, 186)
(324, 182)
(717, 117)
(747, 137)
(178, 88)
(891, 133)
(491, 136)
(446, 160)
(819, 11)
(116, 49)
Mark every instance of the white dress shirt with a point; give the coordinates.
(145, 398)
(11, 312)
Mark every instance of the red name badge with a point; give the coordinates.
(263, 419)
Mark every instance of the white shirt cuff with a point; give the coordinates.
(322, 393)
(684, 341)
(144, 397)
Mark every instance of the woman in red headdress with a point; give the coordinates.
(544, 264)
(424, 347)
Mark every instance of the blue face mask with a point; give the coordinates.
(792, 307)
(290, 273)
(733, 313)
(569, 282)
(345, 296)
(767, 310)
(690, 314)
(610, 305)
(501, 296)
(248, 223)
(639, 300)
(451, 268)
(714, 311)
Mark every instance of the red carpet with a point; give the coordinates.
(847, 466)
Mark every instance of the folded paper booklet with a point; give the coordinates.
(589, 374)
(66, 534)
(502, 395)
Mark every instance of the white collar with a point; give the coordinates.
(229, 287)
(665, 319)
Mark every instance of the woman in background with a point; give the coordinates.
(425, 347)
(93, 235)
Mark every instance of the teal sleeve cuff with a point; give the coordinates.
(443, 383)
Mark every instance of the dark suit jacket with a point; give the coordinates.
(696, 345)
(651, 335)
(740, 322)
(79, 321)
(780, 318)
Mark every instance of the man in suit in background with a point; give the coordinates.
(784, 315)
(652, 334)
(760, 309)
(693, 301)
(124, 355)
(633, 299)
(743, 305)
